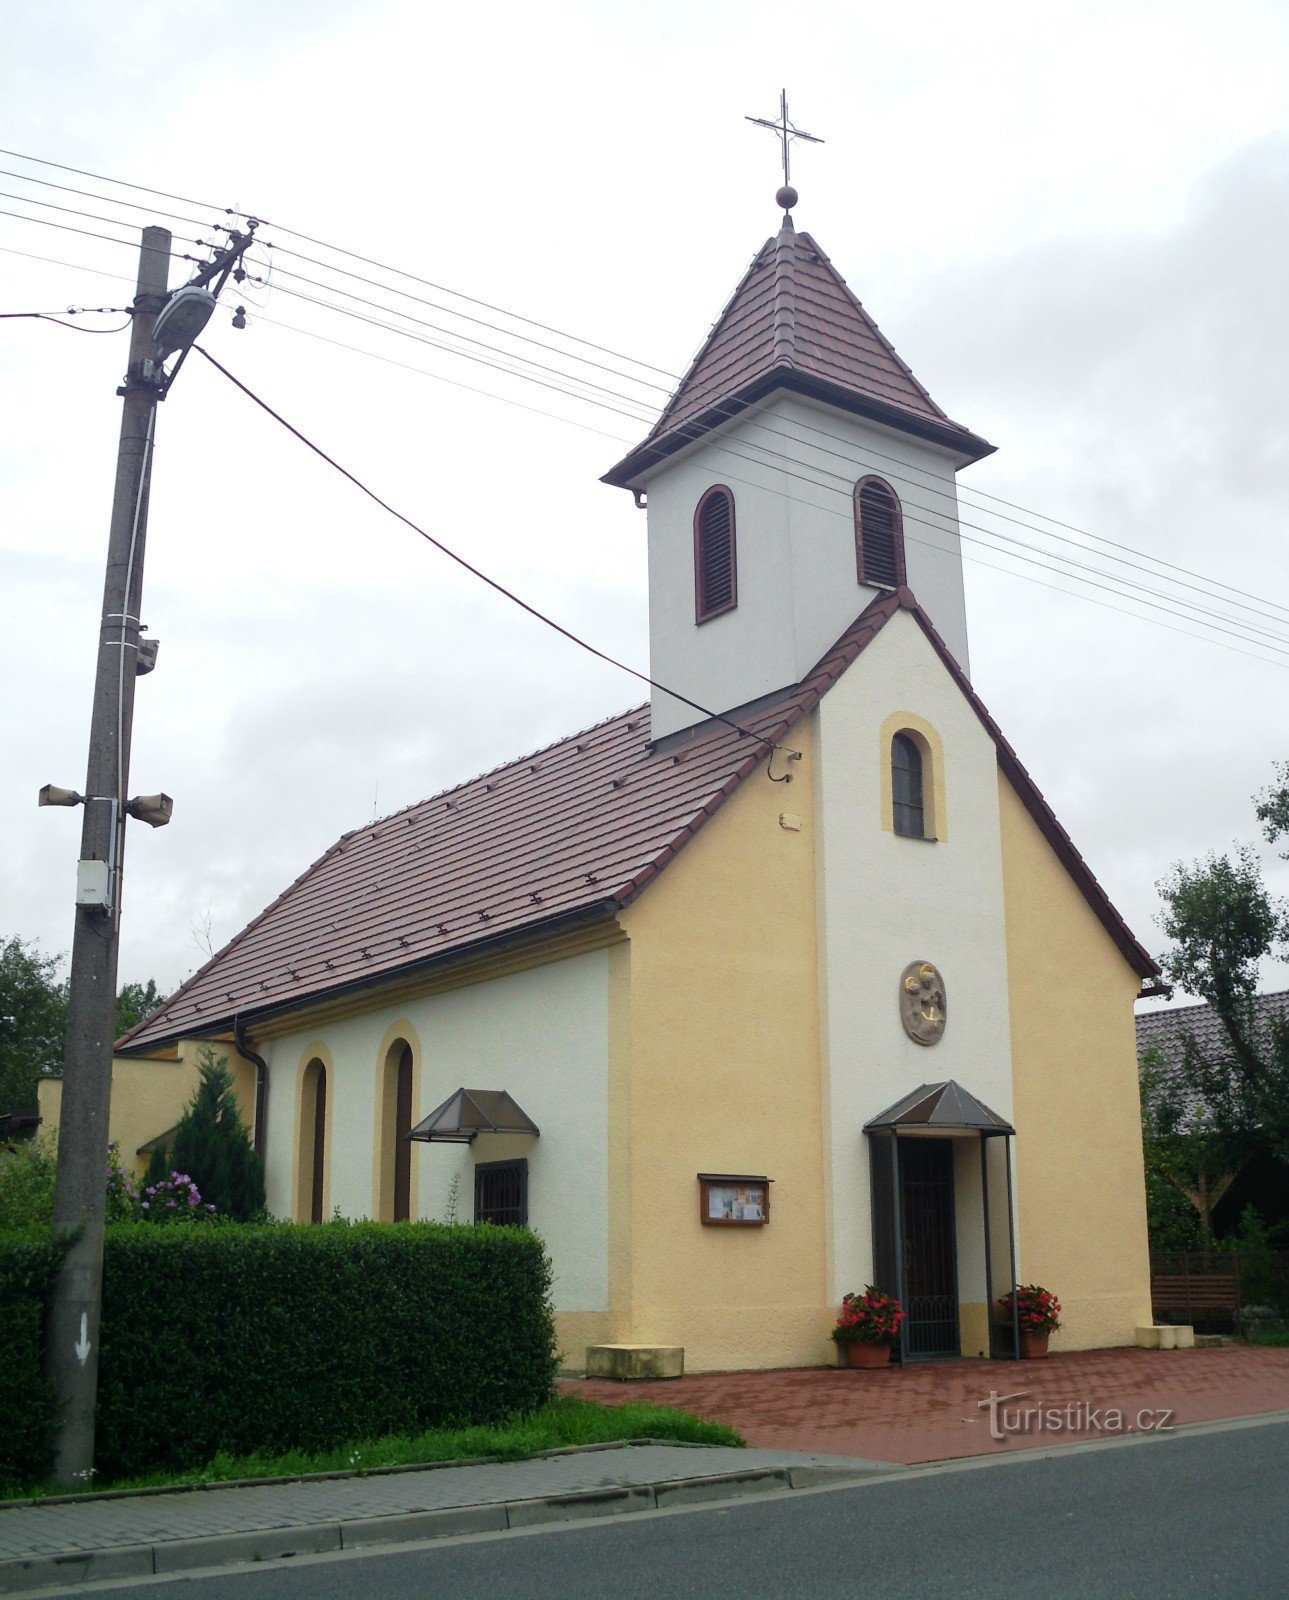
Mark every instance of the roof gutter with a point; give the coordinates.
(244, 1048)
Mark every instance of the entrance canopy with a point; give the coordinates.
(463, 1116)
(914, 1227)
(939, 1108)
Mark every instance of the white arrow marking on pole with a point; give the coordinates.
(82, 1345)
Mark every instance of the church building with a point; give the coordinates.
(784, 983)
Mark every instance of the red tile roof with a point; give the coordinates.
(793, 323)
(569, 833)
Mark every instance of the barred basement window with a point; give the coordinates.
(909, 810)
(715, 566)
(879, 534)
(501, 1192)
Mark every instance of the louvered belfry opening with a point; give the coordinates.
(715, 575)
(879, 534)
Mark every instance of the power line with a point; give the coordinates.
(1207, 583)
(1193, 612)
(111, 200)
(1199, 612)
(974, 560)
(1205, 587)
(477, 572)
(120, 183)
(966, 555)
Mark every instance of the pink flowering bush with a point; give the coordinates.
(122, 1195)
(869, 1318)
(174, 1199)
(1037, 1309)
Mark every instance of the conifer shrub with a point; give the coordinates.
(212, 1146)
(250, 1339)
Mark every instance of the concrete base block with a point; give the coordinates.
(626, 1362)
(1185, 1336)
(1158, 1336)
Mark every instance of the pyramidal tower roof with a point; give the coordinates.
(794, 324)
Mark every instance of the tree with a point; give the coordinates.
(1215, 1108)
(33, 1020)
(134, 1002)
(213, 1148)
(1273, 807)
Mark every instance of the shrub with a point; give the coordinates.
(27, 1184)
(248, 1338)
(28, 1265)
(211, 1143)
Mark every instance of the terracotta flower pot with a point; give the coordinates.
(1033, 1346)
(867, 1356)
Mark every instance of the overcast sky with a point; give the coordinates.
(1072, 224)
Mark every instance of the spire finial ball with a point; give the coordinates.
(787, 197)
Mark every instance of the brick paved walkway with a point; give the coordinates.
(931, 1411)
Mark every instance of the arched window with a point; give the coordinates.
(908, 805)
(715, 566)
(395, 1194)
(313, 1141)
(879, 534)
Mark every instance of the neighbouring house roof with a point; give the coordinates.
(794, 324)
(570, 833)
(1165, 1030)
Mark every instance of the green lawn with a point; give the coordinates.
(565, 1421)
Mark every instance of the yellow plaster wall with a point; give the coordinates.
(721, 971)
(1080, 1187)
(150, 1094)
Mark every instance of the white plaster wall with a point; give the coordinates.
(792, 466)
(885, 901)
(541, 1034)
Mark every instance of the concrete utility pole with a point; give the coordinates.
(71, 1337)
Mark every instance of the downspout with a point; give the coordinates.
(261, 1082)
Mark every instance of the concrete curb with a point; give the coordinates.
(24, 1575)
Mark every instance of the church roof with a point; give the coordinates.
(794, 324)
(569, 834)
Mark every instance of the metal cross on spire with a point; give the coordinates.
(787, 133)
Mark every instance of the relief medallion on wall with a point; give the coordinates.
(923, 1007)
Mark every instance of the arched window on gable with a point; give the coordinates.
(879, 534)
(715, 563)
(907, 794)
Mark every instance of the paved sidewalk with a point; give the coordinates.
(932, 1411)
(42, 1545)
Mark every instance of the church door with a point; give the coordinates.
(930, 1255)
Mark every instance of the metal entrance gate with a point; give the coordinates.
(930, 1247)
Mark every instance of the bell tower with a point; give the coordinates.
(798, 471)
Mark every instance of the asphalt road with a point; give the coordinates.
(1189, 1516)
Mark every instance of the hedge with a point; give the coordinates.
(28, 1266)
(269, 1338)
